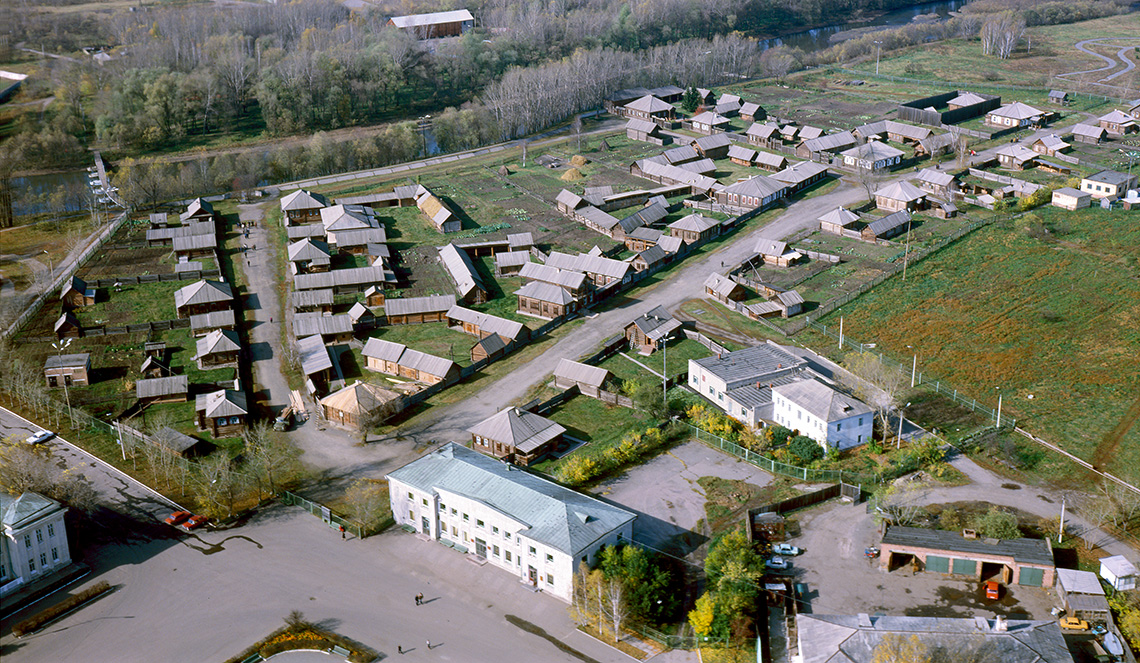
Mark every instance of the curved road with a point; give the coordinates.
(1109, 63)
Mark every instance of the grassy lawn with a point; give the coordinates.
(427, 411)
(434, 338)
(602, 426)
(713, 313)
(134, 304)
(57, 237)
(1044, 308)
(680, 352)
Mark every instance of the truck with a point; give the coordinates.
(284, 420)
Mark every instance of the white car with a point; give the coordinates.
(42, 436)
(777, 563)
(785, 549)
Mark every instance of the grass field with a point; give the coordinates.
(1045, 309)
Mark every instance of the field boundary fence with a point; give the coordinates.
(806, 474)
(330, 517)
(65, 273)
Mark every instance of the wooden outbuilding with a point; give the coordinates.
(416, 310)
(724, 289)
(171, 389)
(489, 347)
(516, 436)
(75, 293)
(360, 404)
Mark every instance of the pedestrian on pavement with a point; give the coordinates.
(420, 599)
(342, 532)
(399, 649)
(429, 645)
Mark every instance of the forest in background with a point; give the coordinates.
(184, 76)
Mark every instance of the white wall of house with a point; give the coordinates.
(34, 550)
(502, 539)
(840, 433)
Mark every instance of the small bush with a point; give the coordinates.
(43, 618)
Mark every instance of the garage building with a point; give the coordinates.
(1026, 562)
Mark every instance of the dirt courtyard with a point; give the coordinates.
(666, 496)
(841, 580)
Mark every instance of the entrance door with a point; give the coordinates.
(480, 548)
(426, 524)
(532, 575)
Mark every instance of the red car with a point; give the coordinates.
(195, 522)
(993, 590)
(177, 517)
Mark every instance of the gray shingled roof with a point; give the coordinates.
(355, 276)
(694, 223)
(217, 341)
(821, 401)
(901, 190)
(830, 142)
(584, 373)
(935, 177)
(195, 242)
(314, 354)
(1023, 551)
(840, 216)
(308, 324)
(306, 298)
(159, 387)
(511, 258)
(873, 151)
(656, 323)
(545, 292)
(890, 223)
(759, 186)
(539, 272)
(583, 262)
(302, 199)
(854, 638)
(67, 361)
(749, 363)
(212, 320)
(416, 305)
(649, 104)
(557, 517)
(712, 142)
(383, 350)
(520, 429)
(721, 284)
(203, 292)
(770, 247)
(1079, 582)
(358, 237)
(224, 403)
(487, 323)
(799, 172)
(425, 363)
(462, 272)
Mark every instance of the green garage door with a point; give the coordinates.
(1031, 577)
(965, 567)
(937, 564)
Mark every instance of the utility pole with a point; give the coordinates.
(998, 412)
(913, 369)
(1061, 528)
(841, 332)
(878, 51)
(898, 440)
(60, 346)
(906, 253)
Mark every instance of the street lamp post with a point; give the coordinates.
(898, 440)
(51, 266)
(998, 424)
(913, 366)
(1132, 156)
(60, 346)
(878, 50)
(665, 372)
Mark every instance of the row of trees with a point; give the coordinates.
(629, 585)
(727, 611)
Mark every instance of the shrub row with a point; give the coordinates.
(45, 617)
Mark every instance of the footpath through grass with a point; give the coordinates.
(1044, 310)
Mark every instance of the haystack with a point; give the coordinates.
(579, 160)
(504, 171)
(572, 175)
(605, 146)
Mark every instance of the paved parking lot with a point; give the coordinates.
(842, 581)
(665, 493)
(206, 597)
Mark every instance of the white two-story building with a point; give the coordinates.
(34, 544)
(740, 383)
(833, 419)
(518, 522)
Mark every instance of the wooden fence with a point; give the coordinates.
(195, 275)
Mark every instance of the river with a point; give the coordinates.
(818, 39)
(32, 193)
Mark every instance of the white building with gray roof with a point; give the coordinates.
(741, 382)
(829, 417)
(516, 521)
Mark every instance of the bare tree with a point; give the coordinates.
(368, 502)
(576, 127)
(868, 178)
(616, 609)
(25, 468)
(874, 383)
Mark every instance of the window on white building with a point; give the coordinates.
(43, 559)
(51, 529)
(31, 565)
(454, 530)
(27, 541)
(478, 523)
(411, 515)
(549, 557)
(838, 427)
(508, 555)
(39, 536)
(466, 518)
(495, 550)
(550, 578)
(494, 529)
(860, 421)
(453, 511)
(425, 501)
(411, 496)
(532, 551)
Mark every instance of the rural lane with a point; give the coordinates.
(685, 284)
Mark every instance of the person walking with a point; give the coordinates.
(399, 649)
(429, 645)
(342, 532)
(420, 599)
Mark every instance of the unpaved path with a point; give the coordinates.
(1109, 63)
